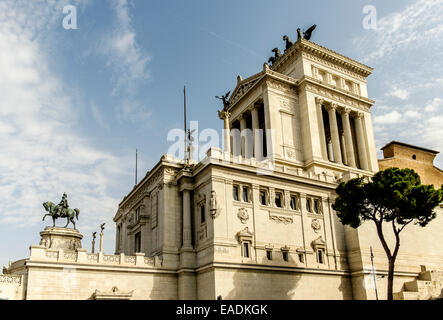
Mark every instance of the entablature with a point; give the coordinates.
(324, 55)
(339, 96)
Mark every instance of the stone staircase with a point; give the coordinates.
(428, 286)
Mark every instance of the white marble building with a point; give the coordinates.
(254, 220)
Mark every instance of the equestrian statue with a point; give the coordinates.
(61, 210)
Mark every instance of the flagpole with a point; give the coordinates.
(136, 165)
(374, 276)
(186, 135)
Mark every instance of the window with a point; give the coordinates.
(202, 214)
(245, 194)
(138, 242)
(308, 204)
(246, 249)
(235, 193)
(285, 256)
(263, 200)
(414, 157)
(320, 256)
(137, 214)
(301, 258)
(317, 206)
(278, 200)
(293, 203)
(269, 254)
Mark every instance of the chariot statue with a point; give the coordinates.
(61, 210)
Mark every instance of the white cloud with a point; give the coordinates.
(43, 152)
(419, 24)
(412, 114)
(435, 105)
(125, 55)
(390, 118)
(402, 94)
(133, 111)
(98, 117)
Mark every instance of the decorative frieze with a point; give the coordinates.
(243, 215)
(10, 279)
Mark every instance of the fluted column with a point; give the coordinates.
(334, 133)
(361, 143)
(187, 236)
(243, 136)
(343, 148)
(350, 154)
(258, 149)
(224, 115)
(321, 128)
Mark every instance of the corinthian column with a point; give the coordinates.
(258, 152)
(350, 154)
(321, 128)
(361, 142)
(334, 133)
(224, 115)
(243, 136)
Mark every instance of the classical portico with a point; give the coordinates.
(310, 108)
(342, 137)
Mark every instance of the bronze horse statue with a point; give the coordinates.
(54, 212)
(288, 42)
(277, 55)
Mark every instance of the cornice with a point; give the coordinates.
(303, 45)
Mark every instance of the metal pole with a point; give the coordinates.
(374, 276)
(136, 165)
(186, 134)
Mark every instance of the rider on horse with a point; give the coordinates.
(63, 206)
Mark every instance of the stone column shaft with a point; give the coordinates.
(321, 126)
(243, 136)
(343, 148)
(258, 150)
(224, 115)
(350, 154)
(334, 134)
(361, 143)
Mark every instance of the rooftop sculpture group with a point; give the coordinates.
(61, 210)
(305, 35)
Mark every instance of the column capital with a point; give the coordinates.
(359, 115)
(254, 106)
(345, 110)
(319, 101)
(224, 114)
(331, 106)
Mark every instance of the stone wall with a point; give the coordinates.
(249, 284)
(11, 287)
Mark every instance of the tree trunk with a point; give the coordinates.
(391, 278)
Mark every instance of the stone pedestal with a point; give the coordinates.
(61, 238)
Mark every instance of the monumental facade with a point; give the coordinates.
(254, 220)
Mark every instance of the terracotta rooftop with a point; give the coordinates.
(409, 146)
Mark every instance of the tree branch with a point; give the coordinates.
(382, 238)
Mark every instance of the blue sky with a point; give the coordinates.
(75, 104)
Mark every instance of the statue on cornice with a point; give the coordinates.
(308, 33)
(226, 103)
(277, 55)
(288, 42)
